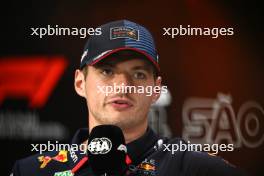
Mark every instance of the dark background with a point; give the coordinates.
(193, 66)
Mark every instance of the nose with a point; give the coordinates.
(123, 79)
(122, 82)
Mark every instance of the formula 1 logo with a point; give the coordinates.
(214, 121)
(32, 78)
(100, 146)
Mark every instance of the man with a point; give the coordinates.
(123, 56)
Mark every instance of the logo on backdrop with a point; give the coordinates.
(214, 121)
(33, 78)
(30, 78)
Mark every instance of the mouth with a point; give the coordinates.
(121, 104)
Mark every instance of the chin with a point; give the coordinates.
(121, 121)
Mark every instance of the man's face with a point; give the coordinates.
(125, 110)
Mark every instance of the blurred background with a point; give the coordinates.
(215, 85)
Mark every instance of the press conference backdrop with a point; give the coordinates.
(215, 83)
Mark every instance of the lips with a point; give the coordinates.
(120, 104)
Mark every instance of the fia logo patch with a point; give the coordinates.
(100, 146)
(124, 32)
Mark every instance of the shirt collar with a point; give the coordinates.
(141, 147)
(137, 149)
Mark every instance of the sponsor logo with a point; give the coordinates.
(31, 77)
(100, 146)
(64, 173)
(73, 156)
(122, 147)
(124, 32)
(214, 121)
(61, 157)
(147, 167)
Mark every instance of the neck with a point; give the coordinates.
(130, 134)
(134, 133)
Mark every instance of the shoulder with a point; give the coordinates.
(207, 164)
(41, 164)
(196, 162)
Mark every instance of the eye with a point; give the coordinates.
(107, 71)
(140, 75)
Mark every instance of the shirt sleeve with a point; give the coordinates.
(15, 170)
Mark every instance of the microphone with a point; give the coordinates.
(107, 151)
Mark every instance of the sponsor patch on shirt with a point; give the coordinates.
(61, 157)
(64, 173)
(147, 168)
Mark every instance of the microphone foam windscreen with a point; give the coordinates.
(107, 150)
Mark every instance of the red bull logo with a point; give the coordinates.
(61, 157)
(147, 167)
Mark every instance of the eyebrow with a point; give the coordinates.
(144, 67)
(107, 64)
(112, 64)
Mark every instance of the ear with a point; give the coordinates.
(79, 83)
(156, 94)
